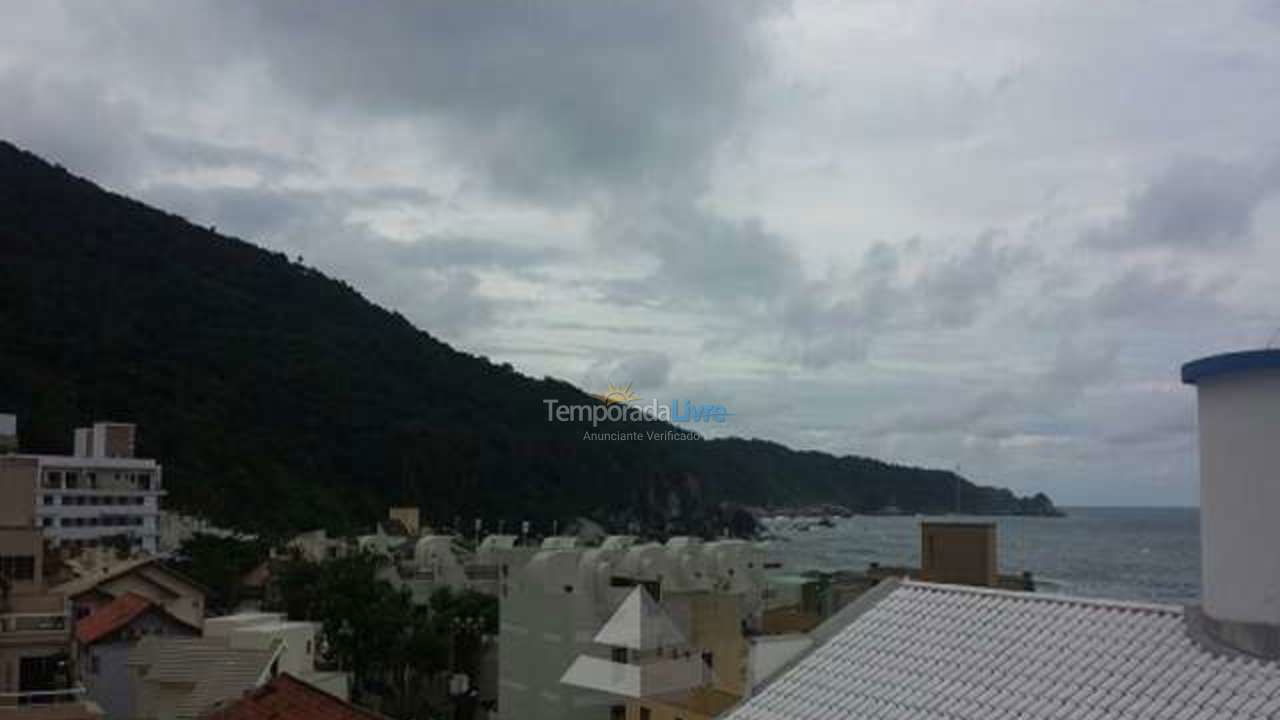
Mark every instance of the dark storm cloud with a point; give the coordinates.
(553, 98)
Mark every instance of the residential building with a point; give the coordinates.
(149, 577)
(409, 519)
(286, 697)
(183, 678)
(555, 606)
(314, 546)
(105, 640)
(37, 657)
(498, 556)
(100, 491)
(922, 649)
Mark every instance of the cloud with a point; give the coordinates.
(553, 100)
(836, 320)
(73, 120)
(702, 257)
(434, 282)
(1198, 204)
(570, 184)
(643, 371)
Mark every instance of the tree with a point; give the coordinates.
(220, 564)
(366, 624)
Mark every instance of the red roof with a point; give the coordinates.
(288, 698)
(111, 617)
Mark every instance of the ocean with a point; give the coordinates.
(1142, 554)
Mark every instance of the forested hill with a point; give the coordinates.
(279, 398)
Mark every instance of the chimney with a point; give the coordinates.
(8, 433)
(1239, 413)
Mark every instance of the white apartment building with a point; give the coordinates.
(100, 491)
(553, 607)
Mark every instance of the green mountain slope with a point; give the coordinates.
(279, 398)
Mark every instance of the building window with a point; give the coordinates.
(18, 567)
(645, 713)
(618, 712)
(46, 522)
(620, 655)
(48, 499)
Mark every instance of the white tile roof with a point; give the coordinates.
(946, 651)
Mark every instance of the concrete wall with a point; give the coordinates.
(18, 491)
(963, 553)
(298, 656)
(117, 439)
(1239, 415)
(8, 432)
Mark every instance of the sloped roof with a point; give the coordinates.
(922, 650)
(94, 578)
(288, 698)
(639, 623)
(111, 617)
(215, 670)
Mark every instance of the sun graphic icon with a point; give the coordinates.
(616, 395)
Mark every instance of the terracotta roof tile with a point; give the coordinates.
(111, 617)
(288, 698)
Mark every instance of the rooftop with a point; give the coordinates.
(111, 617)
(210, 667)
(288, 698)
(93, 578)
(920, 650)
(1230, 363)
(123, 463)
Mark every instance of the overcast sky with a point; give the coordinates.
(978, 234)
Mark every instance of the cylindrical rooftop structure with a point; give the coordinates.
(1239, 417)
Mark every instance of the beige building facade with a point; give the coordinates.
(37, 661)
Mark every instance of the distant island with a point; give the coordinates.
(279, 399)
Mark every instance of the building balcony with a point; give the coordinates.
(35, 699)
(34, 630)
(33, 623)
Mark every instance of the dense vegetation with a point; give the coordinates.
(395, 651)
(278, 398)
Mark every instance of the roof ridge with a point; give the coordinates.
(1055, 598)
